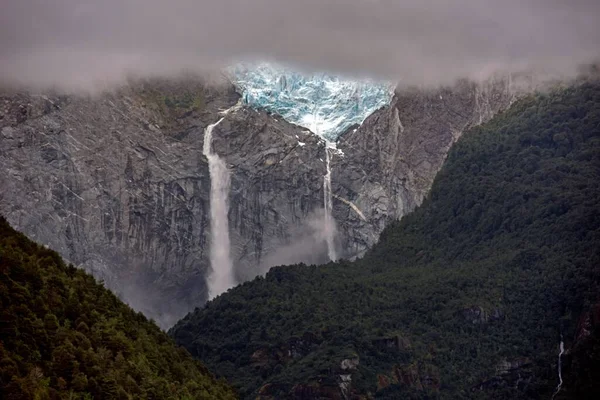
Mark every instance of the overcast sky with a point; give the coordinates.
(91, 43)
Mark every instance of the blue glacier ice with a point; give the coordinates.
(328, 105)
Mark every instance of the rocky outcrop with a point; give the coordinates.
(411, 376)
(335, 383)
(516, 373)
(118, 183)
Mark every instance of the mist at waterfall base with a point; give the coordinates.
(307, 244)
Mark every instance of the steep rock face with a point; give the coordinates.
(118, 183)
(101, 181)
(390, 161)
(276, 191)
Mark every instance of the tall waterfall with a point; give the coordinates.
(329, 228)
(329, 225)
(560, 354)
(221, 277)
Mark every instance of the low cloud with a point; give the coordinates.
(91, 44)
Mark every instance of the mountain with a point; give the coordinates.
(118, 184)
(64, 336)
(472, 295)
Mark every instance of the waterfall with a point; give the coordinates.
(329, 228)
(560, 354)
(221, 278)
(328, 203)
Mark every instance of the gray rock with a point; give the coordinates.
(390, 161)
(119, 186)
(349, 364)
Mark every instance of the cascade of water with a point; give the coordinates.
(560, 354)
(328, 223)
(328, 203)
(221, 277)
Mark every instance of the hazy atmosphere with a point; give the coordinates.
(300, 199)
(91, 44)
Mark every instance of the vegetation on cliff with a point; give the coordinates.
(466, 297)
(64, 336)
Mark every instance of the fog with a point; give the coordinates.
(91, 44)
(308, 244)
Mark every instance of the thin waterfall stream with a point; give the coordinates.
(328, 205)
(560, 354)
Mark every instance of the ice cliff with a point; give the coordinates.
(326, 104)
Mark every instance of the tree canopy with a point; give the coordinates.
(64, 336)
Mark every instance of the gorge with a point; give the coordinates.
(221, 277)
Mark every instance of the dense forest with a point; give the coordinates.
(467, 297)
(64, 336)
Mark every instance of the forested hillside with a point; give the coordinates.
(467, 297)
(64, 336)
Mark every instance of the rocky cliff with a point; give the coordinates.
(117, 183)
(390, 161)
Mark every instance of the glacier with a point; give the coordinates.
(326, 104)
